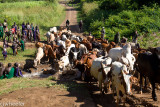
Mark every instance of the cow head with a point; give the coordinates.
(74, 53)
(105, 72)
(124, 77)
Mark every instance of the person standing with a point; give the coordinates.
(23, 27)
(1, 31)
(14, 46)
(15, 27)
(22, 44)
(80, 25)
(117, 38)
(67, 23)
(37, 33)
(102, 33)
(5, 24)
(18, 33)
(135, 37)
(4, 53)
(5, 43)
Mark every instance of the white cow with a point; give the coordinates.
(120, 79)
(50, 37)
(39, 56)
(61, 43)
(74, 37)
(69, 48)
(53, 29)
(64, 38)
(63, 63)
(96, 70)
(117, 53)
(83, 48)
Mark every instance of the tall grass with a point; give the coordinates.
(41, 13)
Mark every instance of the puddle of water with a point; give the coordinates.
(36, 74)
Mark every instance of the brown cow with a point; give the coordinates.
(49, 52)
(39, 44)
(87, 44)
(68, 43)
(89, 38)
(86, 63)
(74, 41)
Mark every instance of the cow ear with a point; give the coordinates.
(124, 69)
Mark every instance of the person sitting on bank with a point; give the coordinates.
(2, 68)
(17, 72)
(9, 71)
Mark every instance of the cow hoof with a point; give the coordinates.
(155, 98)
(102, 92)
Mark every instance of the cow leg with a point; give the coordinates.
(118, 96)
(145, 87)
(100, 87)
(157, 86)
(154, 96)
(109, 86)
(140, 84)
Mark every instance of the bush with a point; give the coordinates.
(125, 22)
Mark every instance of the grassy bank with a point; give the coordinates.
(42, 13)
(21, 56)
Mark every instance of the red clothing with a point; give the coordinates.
(13, 30)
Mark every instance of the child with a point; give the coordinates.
(17, 72)
(4, 53)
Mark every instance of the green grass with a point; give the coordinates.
(42, 13)
(21, 57)
(152, 40)
(9, 85)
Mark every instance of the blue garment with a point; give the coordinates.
(4, 53)
(23, 28)
(34, 35)
(18, 72)
(15, 29)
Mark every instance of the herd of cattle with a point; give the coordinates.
(111, 64)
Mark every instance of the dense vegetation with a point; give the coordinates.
(45, 14)
(4, 1)
(124, 16)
